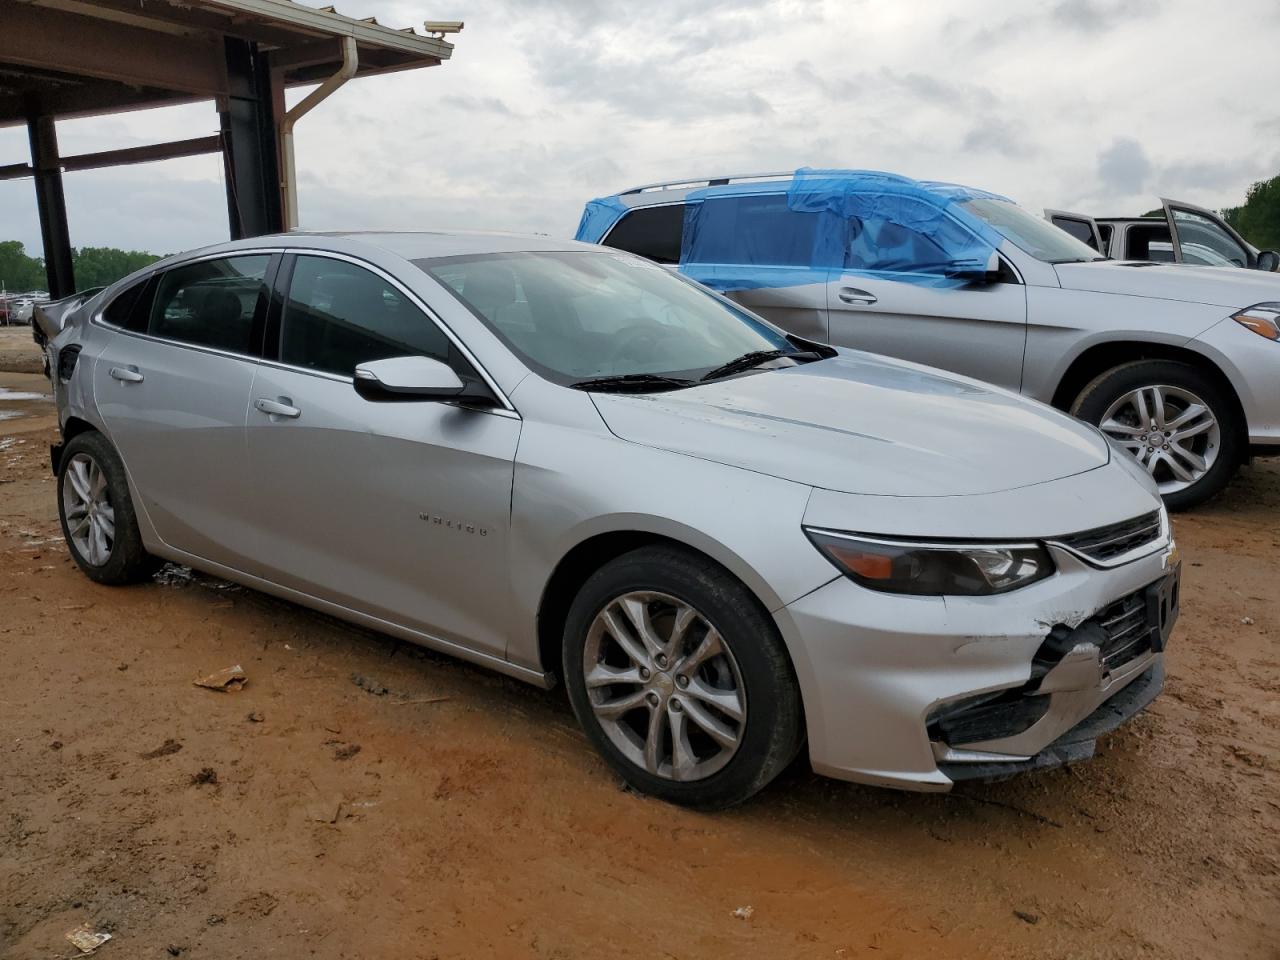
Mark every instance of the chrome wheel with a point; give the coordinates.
(86, 503)
(664, 686)
(1169, 430)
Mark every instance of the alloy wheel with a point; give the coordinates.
(91, 517)
(1169, 430)
(664, 686)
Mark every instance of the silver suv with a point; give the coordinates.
(1178, 364)
(563, 462)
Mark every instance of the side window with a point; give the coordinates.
(757, 230)
(1148, 241)
(1197, 234)
(653, 232)
(339, 315)
(212, 303)
(129, 310)
(1077, 228)
(892, 247)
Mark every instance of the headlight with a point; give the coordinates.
(933, 569)
(1262, 318)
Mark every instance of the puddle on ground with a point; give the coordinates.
(9, 414)
(7, 394)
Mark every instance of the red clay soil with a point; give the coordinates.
(336, 806)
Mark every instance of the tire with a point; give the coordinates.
(1211, 449)
(109, 549)
(743, 687)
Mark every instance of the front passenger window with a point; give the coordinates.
(339, 315)
(212, 303)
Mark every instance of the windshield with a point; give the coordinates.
(575, 316)
(1036, 236)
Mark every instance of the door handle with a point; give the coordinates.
(854, 295)
(128, 374)
(277, 408)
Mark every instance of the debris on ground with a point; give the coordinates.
(255, 716)
(206, 775)
(230, 679)
(744, 913)
(86, 940)
(1027, 917)
(344, 751)
(325, 813)
(170, 746)
(370, 685)
(1247, 621)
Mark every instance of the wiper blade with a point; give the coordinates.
(629, 382)
(754, 359)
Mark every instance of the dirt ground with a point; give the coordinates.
(459, 814)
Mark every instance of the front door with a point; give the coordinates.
(894, 298)
(172, 386)
(1080, 225)
(397, 510)
(1201, 237)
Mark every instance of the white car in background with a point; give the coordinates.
(1184, 234)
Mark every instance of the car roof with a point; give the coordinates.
(673, 191)
(426, 244)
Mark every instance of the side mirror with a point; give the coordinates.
(1268, 260)
(968, 271)
(407, 378)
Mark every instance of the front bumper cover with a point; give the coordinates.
(878, 671)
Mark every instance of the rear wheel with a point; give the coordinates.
(98, 519)
(1174, 420)
(680, 679)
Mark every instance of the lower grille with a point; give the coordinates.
(1114, 540)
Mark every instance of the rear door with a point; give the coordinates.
(399, 510)
(760, 253)
(1202, 237)
(892, 298)
(172, 387)
(1081, 226)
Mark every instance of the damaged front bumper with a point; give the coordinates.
(922, 692)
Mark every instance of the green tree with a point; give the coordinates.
(18, 271)
(99, 266)
(1258, 218)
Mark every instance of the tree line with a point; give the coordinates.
(93, 266)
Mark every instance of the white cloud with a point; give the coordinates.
(550, 102)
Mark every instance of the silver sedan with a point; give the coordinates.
(568, 464)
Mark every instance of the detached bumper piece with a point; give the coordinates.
(1084, 682)
(1076, 744)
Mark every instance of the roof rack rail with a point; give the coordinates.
(706, 182)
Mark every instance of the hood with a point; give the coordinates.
(860, 423)
(1232, 287)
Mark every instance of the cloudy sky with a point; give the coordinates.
(1100, 105)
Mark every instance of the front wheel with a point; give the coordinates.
(1174, 420)
(680, 679)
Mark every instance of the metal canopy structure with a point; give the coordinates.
(75, 58)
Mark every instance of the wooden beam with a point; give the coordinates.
(152, 151)
(87, 47)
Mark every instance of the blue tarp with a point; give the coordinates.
(743, 236)
(599, 215)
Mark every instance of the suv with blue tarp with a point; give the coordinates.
(1162, 356)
